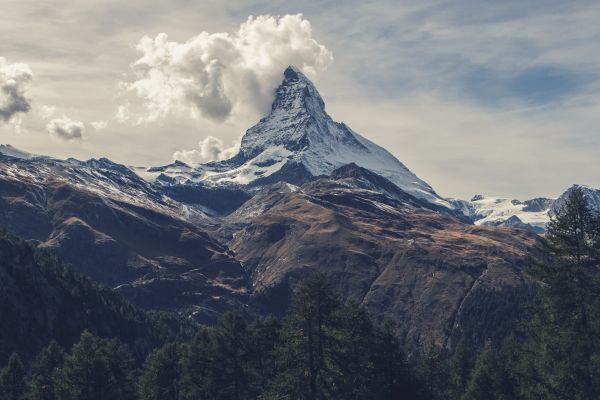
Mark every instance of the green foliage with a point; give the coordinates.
(42, 299)
(95, 369)
(432, 369)
(161, 375)
(12, 379)
(563, 350)
(43, 371)
(460, 369)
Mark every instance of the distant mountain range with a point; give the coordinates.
(303, 194)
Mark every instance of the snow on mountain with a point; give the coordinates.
(298, 139)
(592, 195)
(10, 151)
(113, 182)
(534, 213)
(501, 211)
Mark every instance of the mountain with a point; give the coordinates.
(298, 141)
(303, 194)
(41, 299)
(592, 195)
(394, 253)
(121, 231)
(532, 215)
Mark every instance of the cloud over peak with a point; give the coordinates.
(213, 73)
(14, 81)
(66, 129)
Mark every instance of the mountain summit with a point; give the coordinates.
(297, 141)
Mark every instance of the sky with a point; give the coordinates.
(475, 97)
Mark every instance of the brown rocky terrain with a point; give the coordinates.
(402, 260)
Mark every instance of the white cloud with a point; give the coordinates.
(99, 125)
(123, 114)
(66, 129)
(47, 111)
(212, 74)
(14, 81)
(209, 149)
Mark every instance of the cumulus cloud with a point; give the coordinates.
(99, 125)
(209, 149)
(14, 80)
(211, 74)
(66, 129)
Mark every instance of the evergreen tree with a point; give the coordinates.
(306, 366)
(393, 377)
(564, 345)
(162, 374)
(46, 365)
(197, 365)
(432, 370)
(95, 370)
(460, 369)
(264, 334)
(233, 374)
(483, 382)
(12, 379)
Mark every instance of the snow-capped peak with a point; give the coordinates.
(298, 139)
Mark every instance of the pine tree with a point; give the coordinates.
(95, 370)
(564, 345)
(483, 382)
(460, 369)
(393, 378)
(264, 334)
(12, 379)
(432, 369)
(305, 363)
(162, 374)
(46, 365)
(233, 374)
(197, 365)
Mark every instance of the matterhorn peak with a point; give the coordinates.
(298, 140)
(296, 94)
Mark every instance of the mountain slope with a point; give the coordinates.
(398, 256)
(41, 299)
(116, 228)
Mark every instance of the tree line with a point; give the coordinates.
(324, 348)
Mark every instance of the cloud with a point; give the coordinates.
(47, 111)
(99, 125)
(66, 129)
(209, 149)
(123, 114)
(14, 80)
(212, 74)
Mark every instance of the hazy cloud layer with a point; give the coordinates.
(14, 80)
(210, 74)
(209, 149)
(99, 125)
(66, 129)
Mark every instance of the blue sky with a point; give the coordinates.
(499, 98)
